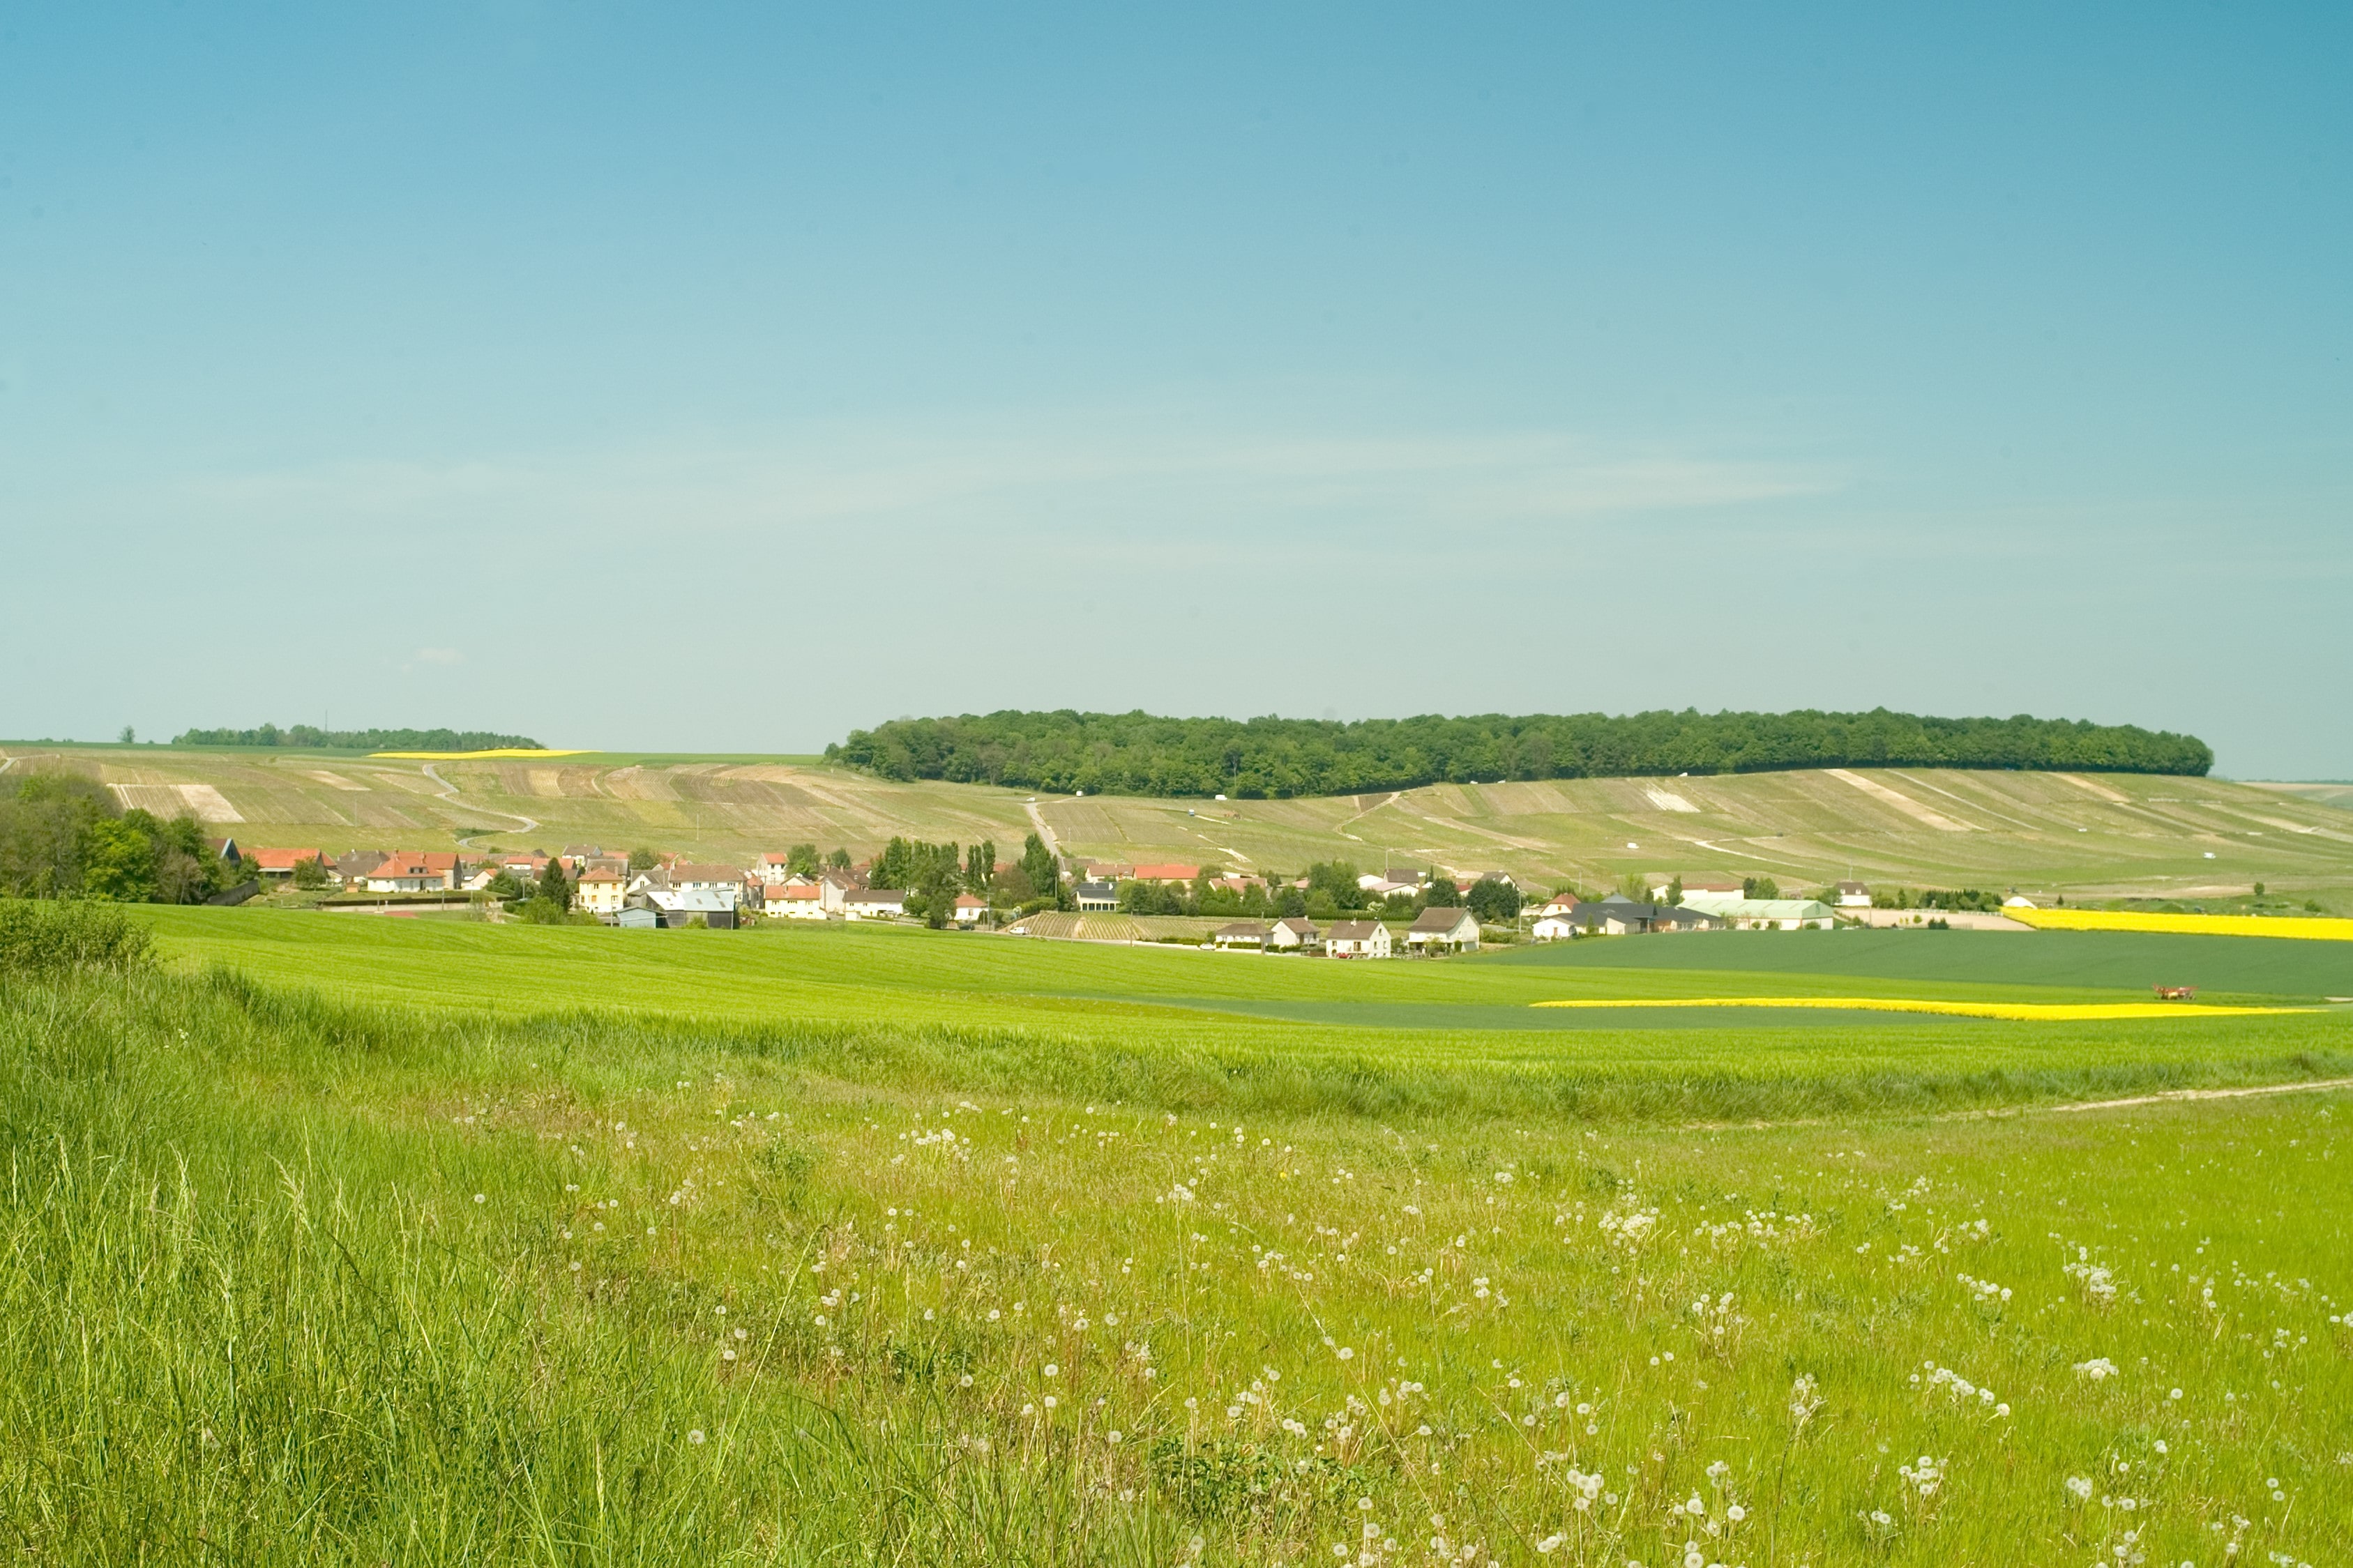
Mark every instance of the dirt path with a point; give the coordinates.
(2172, 1094)
(1045, 833)
(449, 792)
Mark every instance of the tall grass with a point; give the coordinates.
(290, 1280)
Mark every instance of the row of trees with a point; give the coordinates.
(64, 836)
(1137, 753)
(1331, 893)
(312, 737)
(934, 874)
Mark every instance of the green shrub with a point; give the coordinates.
(39, 936)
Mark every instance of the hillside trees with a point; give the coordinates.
(1493, 900)
(1042, 869)
(1138, 753)
(63, 834)
(309, 736)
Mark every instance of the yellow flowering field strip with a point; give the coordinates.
(2021, 1012)
(2296, 927)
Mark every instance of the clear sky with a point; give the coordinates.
(688, 377)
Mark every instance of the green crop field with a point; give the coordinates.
(336, 1239)
(2082, 836)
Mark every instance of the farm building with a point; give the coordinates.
(874, 903)
(1096, 897)
(1443, 931)
(1358, 938)
(1172, 875)
(1713, 887)
(1853, 896)
(712, 907)
(638, 919)
(1242, 936)
(1766, 914)
(1619, 915)
(279, 862)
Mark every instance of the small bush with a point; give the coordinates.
(38, 936)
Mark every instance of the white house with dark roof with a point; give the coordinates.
(1444, 930)
(1358, 938)
(1291, 934)
(874, 903)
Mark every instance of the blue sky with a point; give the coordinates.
(690, 377)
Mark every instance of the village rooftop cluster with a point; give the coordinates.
(1405, 911)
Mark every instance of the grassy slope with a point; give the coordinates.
(2140, 834)
(290, 1281)
(1407, 1033)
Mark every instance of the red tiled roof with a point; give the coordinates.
(279, 860)
(1170, 873)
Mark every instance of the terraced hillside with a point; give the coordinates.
(2080, 835)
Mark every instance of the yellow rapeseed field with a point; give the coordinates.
(2022, 1011)
(2315, 929)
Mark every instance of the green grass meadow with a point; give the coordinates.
(346, 1240)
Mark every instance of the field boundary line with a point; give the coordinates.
(2178, 1094)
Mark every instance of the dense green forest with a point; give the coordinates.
(311, 736)
(1136, 753)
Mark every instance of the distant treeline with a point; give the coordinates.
(311, 736)
(1136, 753)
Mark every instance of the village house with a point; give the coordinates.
(724, 879)
(401, 872)
(1113, 871)
(1713, 887)
(1444, 930)
(352, 870)
(1291, 934)
(874, 903)
(969, 911)
(771, 869)
(1095, 898)
(1356, 939)
(1242, 936)
(802, 901)
(1852, 896)
(600, 892)
(1167, 875)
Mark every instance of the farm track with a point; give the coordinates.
(449, 793)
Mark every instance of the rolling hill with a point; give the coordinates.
(2081, 834)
